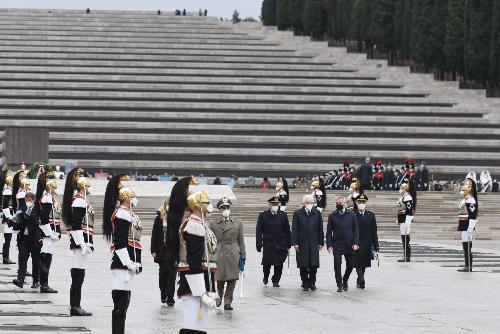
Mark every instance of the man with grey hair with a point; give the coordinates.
(308, 240)
(342, 238)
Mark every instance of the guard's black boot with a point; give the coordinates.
(470, 256)
(465, 268)
(45, 262)
(403, 257)
(77, 278)
(121, 300)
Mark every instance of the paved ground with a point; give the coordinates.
(425, 296)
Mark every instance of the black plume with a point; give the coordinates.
(110, 200)
(15, 189)
(69, 190)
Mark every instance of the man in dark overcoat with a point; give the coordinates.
(307, 239)
(342, 239)
(273, 239)
(368, 240)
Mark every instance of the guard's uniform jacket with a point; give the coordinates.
(127, 231)
(405, 208)
(192, 259)
(49, 214)
(468, 211)
(320, 199)
(6, 197)
(80, 208)
(283, 198)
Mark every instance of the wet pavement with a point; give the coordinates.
(424, 296)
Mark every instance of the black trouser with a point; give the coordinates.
(45, 262)
(26, 248)
(167, 276)
(75, 292)
(6, 245)
(337, 265)
(277, 272)
(405, 240)
(121, 301)
(361, 274)
(308, 276)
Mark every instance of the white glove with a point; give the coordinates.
(89, 248)
(122, 254)
(79, 241)
(472, 225)
(55, 236)
(209, 299)
(319, 209)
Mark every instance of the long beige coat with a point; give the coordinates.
(230, 242)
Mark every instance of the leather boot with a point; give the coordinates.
(78, 276)
(465, 247)
(121, 300)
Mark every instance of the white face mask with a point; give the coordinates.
(274, 208)
(361, 207)
(210, 208)
(308, 207)
(401, 191)
(134, 201)
(225, 213)
(462, 192)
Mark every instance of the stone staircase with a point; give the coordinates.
(436, 217)
(137, 91)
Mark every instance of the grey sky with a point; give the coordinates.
(218, 8)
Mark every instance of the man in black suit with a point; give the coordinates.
(368, 239)
(273, 239)
(28, 240)
(366, 174)
(308, 240)
(342, 238)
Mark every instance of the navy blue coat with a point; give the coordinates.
(368, 238)
(273, 237)
(342, 232)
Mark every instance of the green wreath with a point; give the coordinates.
(32, 173)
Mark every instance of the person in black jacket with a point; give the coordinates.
(123, 227)
(368, 239)
(273, 238)
(308, 239)
(28, 240)
(342, 238)
(167, 273)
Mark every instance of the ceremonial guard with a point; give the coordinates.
(467, 220)
(191, 240)
(407, 204)
(282, 192)
(28, 239)
(49, 224)
(355, 191)
(308, 239)
(273, 238)
(6, 186)
(20, 186)
(78, 216)
(123, 228)
(319, 193)
(368, 239)
(159, 250)
(231, 254)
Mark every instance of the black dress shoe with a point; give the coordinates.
(163, 300)
(8, 261)
(339, 288)
(35, 285)
(345, 287)
(18, 283)
(228, 307)
(305, 288)
(313, 287)
(79, 312)
(464, 269)
(265, 280)
(276, 285)
(170, 302)
(47, 289)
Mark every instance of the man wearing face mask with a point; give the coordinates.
(231, 251)
(342, 239)
(307, 239)
(26, 222)
(273, 238)
(368, 239)
(159, 251)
